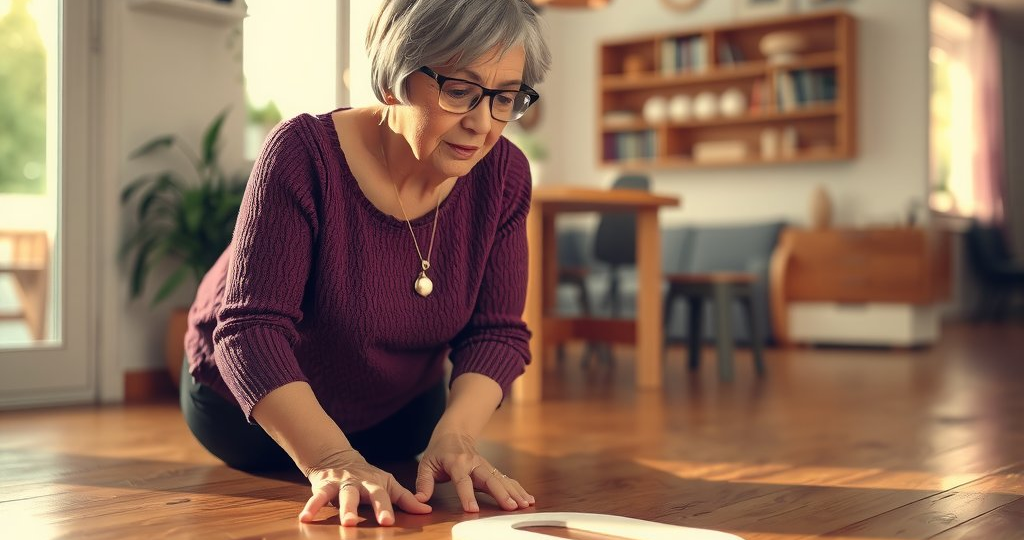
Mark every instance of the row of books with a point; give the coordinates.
(630, 145)
(802, 87)
(730, 53)
(685, 54)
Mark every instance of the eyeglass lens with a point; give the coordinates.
(459, 97)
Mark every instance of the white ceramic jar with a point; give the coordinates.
(733, 103)
(705, 106)
(655, 110)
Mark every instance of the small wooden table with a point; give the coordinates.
(646, 332)
(29, 264)
(721, 288)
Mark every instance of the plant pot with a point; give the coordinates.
(174, 343)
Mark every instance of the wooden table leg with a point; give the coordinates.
(31, 285)
(527, 388)
(649, 331)
(549, 265)
(723, 296)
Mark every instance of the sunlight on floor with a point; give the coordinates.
(775, 473)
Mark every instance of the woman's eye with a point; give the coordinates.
(458, 91)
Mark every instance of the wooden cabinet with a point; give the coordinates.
(874, 280)
(799, 109)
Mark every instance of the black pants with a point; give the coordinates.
(221, 427)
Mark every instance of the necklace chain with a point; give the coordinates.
(424, 261)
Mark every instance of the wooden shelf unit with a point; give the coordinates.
(633, 70)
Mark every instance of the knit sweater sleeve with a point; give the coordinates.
(496, 341)
(268, 269)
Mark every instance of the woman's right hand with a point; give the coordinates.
(347, 477)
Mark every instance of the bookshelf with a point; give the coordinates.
(663, 105)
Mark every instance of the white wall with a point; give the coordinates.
(889, 172)
(360, 90)
(161, 74)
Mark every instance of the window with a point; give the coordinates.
(28, 191)
(23, 53)
(952, 118)
(290, 61)
(47, 249)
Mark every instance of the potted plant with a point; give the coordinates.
(183, 224)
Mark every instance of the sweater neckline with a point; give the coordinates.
(350, 183)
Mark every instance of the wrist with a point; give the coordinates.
(454, 428)
(332, 459)
(456, 424)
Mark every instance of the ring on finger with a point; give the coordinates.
(348, 484)
(494, 471)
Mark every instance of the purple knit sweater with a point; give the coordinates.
(317, 284)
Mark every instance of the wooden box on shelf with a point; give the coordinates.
(716, 85)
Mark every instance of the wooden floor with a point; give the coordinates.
(836, 443)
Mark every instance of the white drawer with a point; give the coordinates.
(863, 324)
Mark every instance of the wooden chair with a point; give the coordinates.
(721, 265)
(25, 255)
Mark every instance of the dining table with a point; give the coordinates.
(548, 328)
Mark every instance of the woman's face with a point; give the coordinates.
(452, 143)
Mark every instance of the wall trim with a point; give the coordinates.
(109, 284)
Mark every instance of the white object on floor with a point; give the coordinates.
(509, 527)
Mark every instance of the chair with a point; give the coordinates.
(615, 242)
(25, 255)
(573, 269)
(723, 266)
(615, 246)
(999, 274)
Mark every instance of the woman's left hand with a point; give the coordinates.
(453, 456)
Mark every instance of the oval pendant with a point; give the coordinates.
(423, 285)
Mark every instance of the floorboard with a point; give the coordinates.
(837, 443)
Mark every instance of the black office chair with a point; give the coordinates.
(573, 271)
(1000, 276)
(615, 241)
(615, 246)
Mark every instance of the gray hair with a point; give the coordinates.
(409, 34)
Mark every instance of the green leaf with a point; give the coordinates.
(141, 268)
(140, 236)
(164, 141)
(211, 138)
(192, 210)
(170, 284)
(131, 188)
(181, 224)
(163, 185)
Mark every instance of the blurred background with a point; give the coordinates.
(804, 137)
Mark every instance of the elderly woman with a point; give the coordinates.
(372, 245)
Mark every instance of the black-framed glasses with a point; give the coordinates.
(461, 96)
